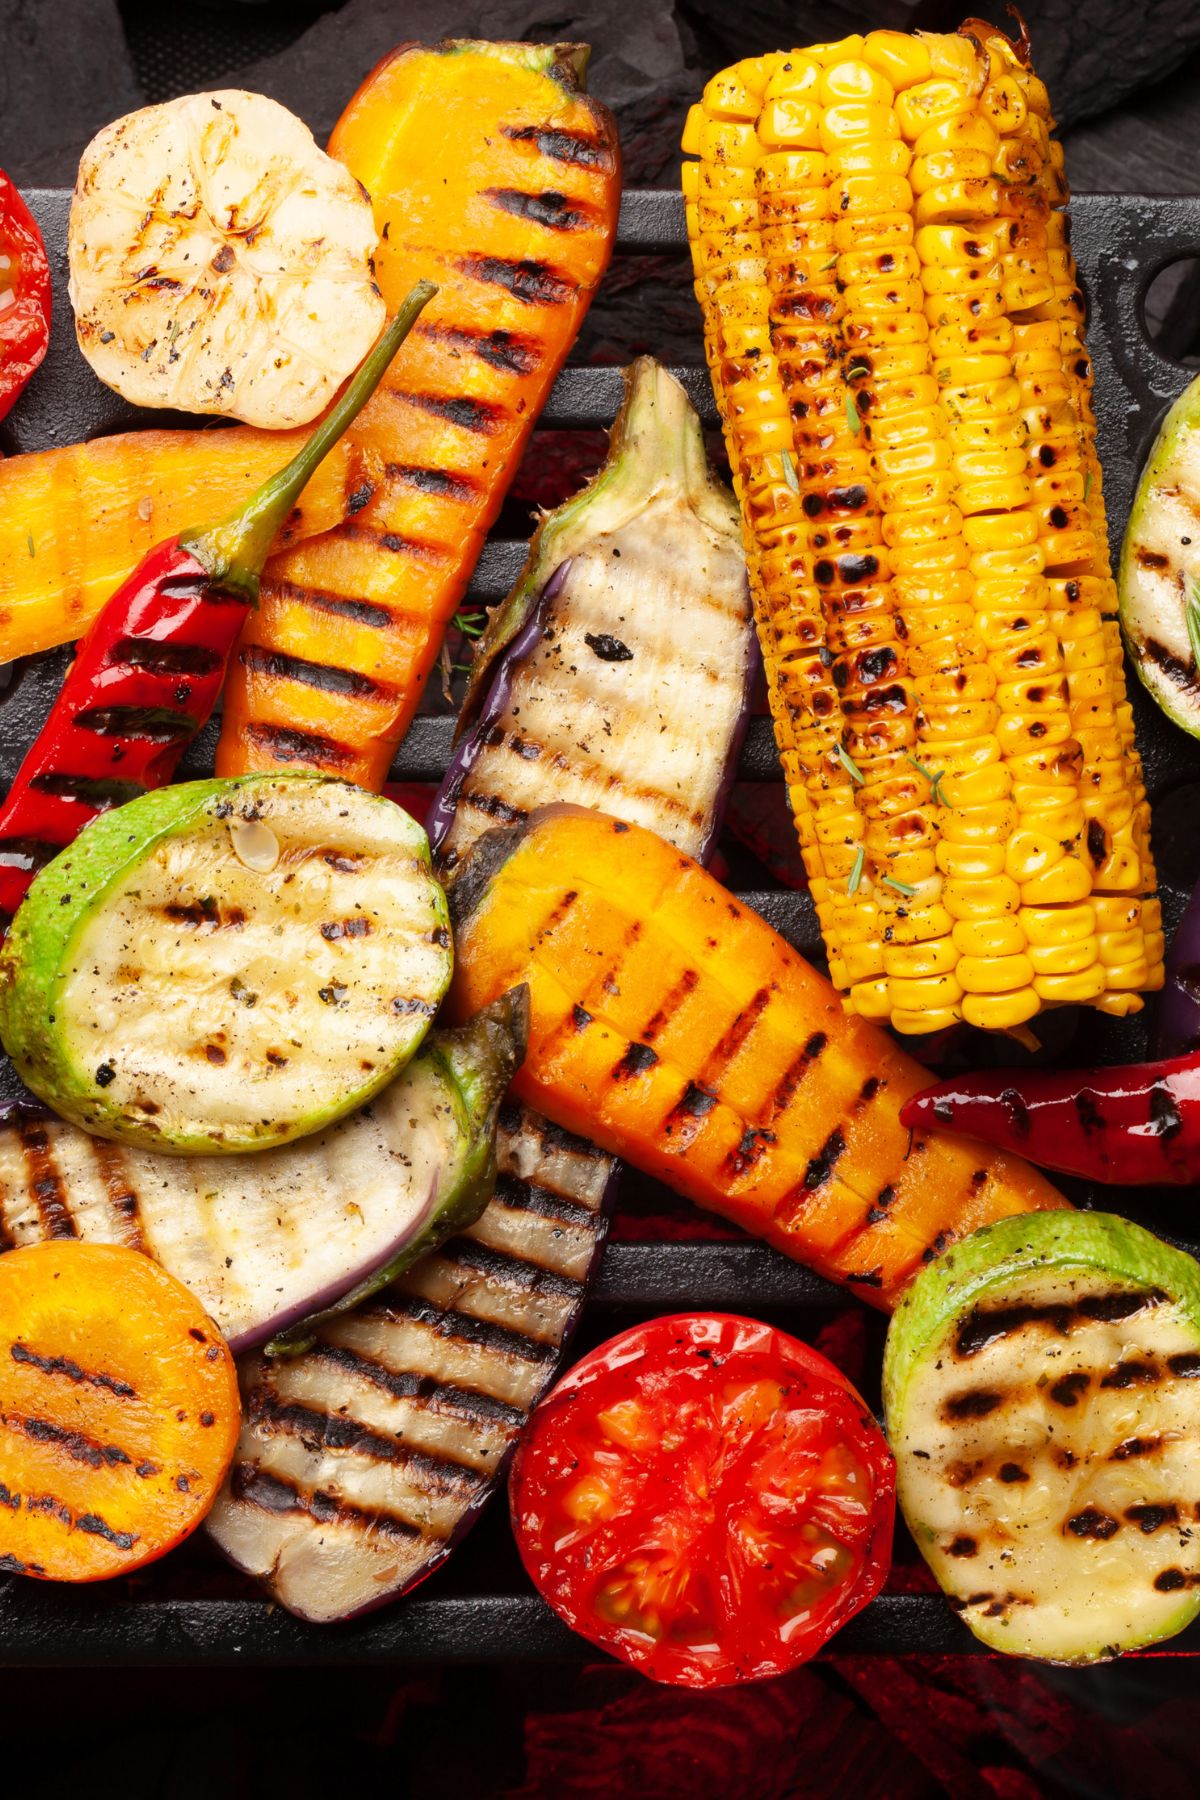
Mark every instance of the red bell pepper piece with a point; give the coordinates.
(1133, 1126)
(147, 675)
(24, 294)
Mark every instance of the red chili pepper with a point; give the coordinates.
(147, 675)
(1132, 1126)
(24, 294)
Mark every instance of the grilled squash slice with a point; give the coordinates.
(224, 965)
(1040, 1386)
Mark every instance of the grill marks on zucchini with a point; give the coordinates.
(169, 916)
(364, 1457)
(1073, 1427)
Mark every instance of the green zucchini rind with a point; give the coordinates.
(226, 965)
(1042, 1393)
(1159, 574)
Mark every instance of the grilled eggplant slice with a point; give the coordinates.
(617, 672)
(1159, 577)
(305, 1229)
(364, 1460)
(226, 965)
(1040, 1387)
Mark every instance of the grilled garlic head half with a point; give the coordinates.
(220, 262)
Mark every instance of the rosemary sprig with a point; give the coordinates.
(471, 624)
(1191, 613)
(934, 777)
(1087, 486)
(901, 887)
(852, 418)
(848, 763)
(856, 873)
(789, 471)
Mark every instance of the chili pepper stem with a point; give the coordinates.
(235, 550)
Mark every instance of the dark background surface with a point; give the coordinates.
(1125, 81)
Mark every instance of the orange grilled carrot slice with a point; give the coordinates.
(674, 1028)
(75, 522)
(496, 177)
(118, 1411)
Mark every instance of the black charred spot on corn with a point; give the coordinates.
(286, 744)
(533, 283)
(438, 482)
(478, 416)
(258, 659)
(973, 1403)
(636, 1061)
(1092, 1523)
(574, 147)
(875, 665)
(549, 208)
(1097, 842)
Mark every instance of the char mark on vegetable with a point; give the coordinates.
(159, 658)
(520, 1195)
(821, 1166)
(503, 350)
(975, 1403)
(320, 1432)
(564, 146)
(479, 416)
(274, 1494)
(96, 792)
(26, 853)
(510, 1271)
(71, 1370)
(658, 1021)
(340, 606)
(549, 208)
(439, 483)
(1092, 1523)
(75, 1445)
(733, 1039)
(986, 1325)
(638, 1059)
(46, 1185)
(122, 1196)
(533, 283)
(492, 806)
(258, 659)
(448, 1323)
(405, 1384)
(285, 744)
(157, 724)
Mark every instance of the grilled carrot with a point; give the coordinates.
(75, 522)
(492, 173)
(118, 1410)
(674, 1028)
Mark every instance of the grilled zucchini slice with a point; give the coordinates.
(1042, 1398)
(225, 965)
(1159, 578)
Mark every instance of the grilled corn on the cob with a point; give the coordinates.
(895, 337)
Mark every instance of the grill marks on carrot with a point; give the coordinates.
(447, 431)
(282, 667)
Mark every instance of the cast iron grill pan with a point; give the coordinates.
(190, 1610)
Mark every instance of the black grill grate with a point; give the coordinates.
(481, 1607)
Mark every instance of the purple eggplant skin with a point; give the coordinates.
(618, 672)
(364, 1460)
(1177, 1024)
(307, 1228)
